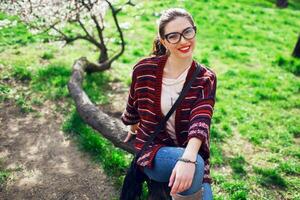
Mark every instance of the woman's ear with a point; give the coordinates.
(162, 42)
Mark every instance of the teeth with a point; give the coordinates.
(184, 48)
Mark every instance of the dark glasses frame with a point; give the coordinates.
(181, 34)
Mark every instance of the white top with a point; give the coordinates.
(171, 89)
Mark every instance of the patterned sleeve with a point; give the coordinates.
(130, 115)
(202, 111)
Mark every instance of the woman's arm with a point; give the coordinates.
(200, 119)
(130, 115)
(182, 174)
(130, 133)
(134, 127)
(192, 149)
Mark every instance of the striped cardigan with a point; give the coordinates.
(193, 115)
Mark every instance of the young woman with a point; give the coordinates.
(156, 83)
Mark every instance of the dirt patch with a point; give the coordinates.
(118, 100)
(238, 145)
(45, 163)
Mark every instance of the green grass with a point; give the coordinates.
(47, 55)
(270, 177)
(54, 76)
(237, 164)
(247, 43)
(290, 64)
(17, 33)
(4, 91)
(113, 160)
(4, 174)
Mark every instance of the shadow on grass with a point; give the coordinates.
(270, 178)
(237, 165)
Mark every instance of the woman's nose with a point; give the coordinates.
(183, 40)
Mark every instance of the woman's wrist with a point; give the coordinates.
(132, 132)
(186, 160)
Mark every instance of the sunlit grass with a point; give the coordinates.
(247, 43)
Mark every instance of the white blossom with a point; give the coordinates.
(125, 25)
(45, 13)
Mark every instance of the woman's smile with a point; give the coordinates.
(185, 49)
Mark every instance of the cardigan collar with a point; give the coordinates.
(158, 86)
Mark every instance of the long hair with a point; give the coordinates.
(166, 17)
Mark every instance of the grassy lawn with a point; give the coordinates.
(255, 133)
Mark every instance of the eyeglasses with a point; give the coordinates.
(175, 37)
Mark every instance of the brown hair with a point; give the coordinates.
(166, 17)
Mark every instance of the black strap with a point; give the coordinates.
(173, 108)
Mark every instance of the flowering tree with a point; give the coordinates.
(73, 20)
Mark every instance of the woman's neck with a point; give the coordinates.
(175, 66)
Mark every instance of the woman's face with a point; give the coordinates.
(185, 47)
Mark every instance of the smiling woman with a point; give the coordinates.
(179, 154)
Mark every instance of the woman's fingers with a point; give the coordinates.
(187, 185)
(172, 178)
(181, 186)
(175, 187)
(183, 179)
(129, 135)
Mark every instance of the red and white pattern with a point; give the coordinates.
(193, 115)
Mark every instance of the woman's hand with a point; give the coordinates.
(128, 137)
(129, 134)
(182, 177)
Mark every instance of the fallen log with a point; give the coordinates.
(110, 128)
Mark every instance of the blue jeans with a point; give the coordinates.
(164, 162)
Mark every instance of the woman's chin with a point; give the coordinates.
(184, 55)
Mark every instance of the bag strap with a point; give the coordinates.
(173, 108)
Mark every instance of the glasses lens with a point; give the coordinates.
(189, 33)
(173, 38)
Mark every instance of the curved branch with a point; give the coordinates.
(114, 14)
(110, 128)
(69, 39)
(91, 38)
(127, 3)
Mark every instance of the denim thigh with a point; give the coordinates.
(164, 162)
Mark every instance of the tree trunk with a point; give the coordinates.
(282, 3)
(110, 128)
(296, 52)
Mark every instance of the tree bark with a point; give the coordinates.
(110, 128)
(282, 3)
(296, 52)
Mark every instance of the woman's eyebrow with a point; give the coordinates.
(178, 31)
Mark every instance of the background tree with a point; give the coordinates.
(282, 3)
(296, 52)
(73, 20)
(79, 20)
